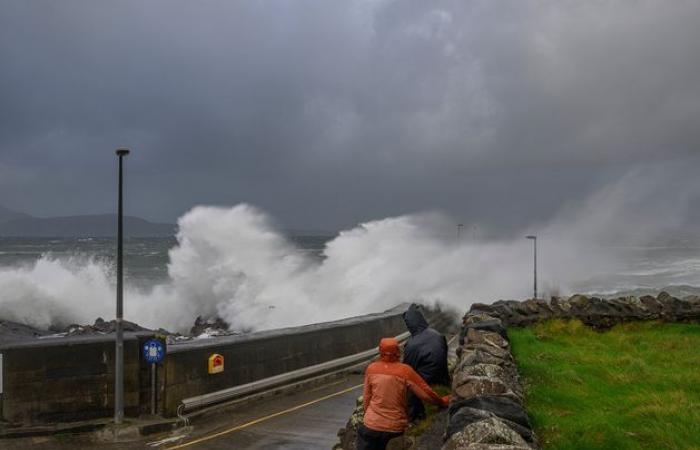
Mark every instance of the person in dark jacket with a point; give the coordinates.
(426, 353)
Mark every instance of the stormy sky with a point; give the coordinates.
(326, 113)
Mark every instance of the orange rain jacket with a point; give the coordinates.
(387, 382)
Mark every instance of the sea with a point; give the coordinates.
(145, 259)
(639, 270)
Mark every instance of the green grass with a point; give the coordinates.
(636, 386)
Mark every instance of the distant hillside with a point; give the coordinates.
(19, 224)
(8, 214)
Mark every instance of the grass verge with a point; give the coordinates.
(636, 386)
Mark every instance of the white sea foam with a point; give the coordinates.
(232, 262)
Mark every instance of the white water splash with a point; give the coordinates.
(232, 262)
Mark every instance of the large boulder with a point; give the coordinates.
(596, 312)
(488, 431)
(478, 308)
(492, 325)
(675, 309)
(459, 419)
(483, 354)
(450, 446)
(652, 305)
(475, 336)
(560, 307)
(507, 374)
(503, 407)
(471, 386)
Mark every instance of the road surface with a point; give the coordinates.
(306, 420)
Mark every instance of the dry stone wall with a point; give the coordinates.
(486, 410)
(595, 312)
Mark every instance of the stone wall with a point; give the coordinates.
(486, 406)
(486, 410)
(596, 312)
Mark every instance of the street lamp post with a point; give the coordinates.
(459, 229)
(119, 350)
(534, 241)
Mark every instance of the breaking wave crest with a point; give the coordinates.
(232, 262)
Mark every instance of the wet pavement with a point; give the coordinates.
(308, 419)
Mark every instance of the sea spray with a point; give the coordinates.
(233, 263)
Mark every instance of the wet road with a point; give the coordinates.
(306, 420)
(309, 420)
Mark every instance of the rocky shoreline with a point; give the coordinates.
(13, 332)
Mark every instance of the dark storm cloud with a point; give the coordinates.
(327, 113)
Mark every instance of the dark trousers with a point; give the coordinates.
(416, 410)
(369, 439)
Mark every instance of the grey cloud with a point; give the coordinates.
(328, 113)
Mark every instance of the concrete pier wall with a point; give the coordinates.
(260, 355)
(72, 379)
(69, 379)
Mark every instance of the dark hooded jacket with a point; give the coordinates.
(426, 349)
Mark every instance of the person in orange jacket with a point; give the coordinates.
(387, 383)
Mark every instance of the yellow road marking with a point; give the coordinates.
(263, 419)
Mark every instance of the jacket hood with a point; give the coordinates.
(415, 322)
(389, 350)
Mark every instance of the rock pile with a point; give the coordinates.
(99, 327)
(210, 327)
(13, 332)
(486, 408)
(596, 312)
(203, 328)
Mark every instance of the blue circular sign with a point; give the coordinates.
(153, 351)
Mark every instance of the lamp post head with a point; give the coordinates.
(122, 152)
(530, 237)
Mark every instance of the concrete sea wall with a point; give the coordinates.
(58, 380)
(255, 356)
(72, 379)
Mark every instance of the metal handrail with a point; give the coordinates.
(199, 401)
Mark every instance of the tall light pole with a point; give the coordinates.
(534, 241)
(459, 229)
(119, 350)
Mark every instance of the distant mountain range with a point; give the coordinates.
(15, 224)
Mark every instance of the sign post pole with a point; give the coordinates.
(153, 389)
(154, 353)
